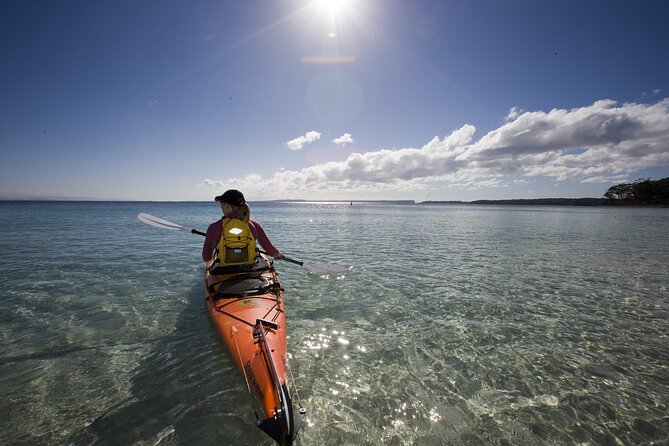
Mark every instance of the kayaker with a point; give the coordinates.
(234, 205)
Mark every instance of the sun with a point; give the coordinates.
(341, 22)
(333, 7)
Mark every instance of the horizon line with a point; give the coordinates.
(292, 200)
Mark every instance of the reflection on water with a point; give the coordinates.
(486, 326)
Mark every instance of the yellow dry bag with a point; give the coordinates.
(237, 245)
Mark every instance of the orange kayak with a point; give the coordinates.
(245, 303)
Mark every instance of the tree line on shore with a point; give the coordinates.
(643, 191)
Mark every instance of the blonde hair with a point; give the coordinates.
(243, 212)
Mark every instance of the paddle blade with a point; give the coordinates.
(159, 222)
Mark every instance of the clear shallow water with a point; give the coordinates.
(456, 325)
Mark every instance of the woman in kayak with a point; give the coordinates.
(234, 205)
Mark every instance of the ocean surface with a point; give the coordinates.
(455, 325)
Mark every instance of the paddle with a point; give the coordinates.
(164, 224)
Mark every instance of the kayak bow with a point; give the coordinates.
(245, 303)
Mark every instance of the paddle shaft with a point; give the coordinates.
(287, 259)
(164, 224)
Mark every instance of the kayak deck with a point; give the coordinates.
(247, 308)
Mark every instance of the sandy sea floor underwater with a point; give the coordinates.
(454, 325)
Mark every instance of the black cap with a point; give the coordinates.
(233, 197)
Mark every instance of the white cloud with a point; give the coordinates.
(299, 142)
(580, 143)
(514, 112)
(597, 143)
(344, 139)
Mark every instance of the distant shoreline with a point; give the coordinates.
(532, 202)
(587, 201)
(508, 202)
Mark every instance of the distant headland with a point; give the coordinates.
(531, 201)
(642, 192)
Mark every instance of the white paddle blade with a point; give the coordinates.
(159, 222)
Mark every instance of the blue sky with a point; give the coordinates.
(347, 99)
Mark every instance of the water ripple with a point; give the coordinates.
(454, 325)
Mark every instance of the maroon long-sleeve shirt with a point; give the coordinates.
(214, 235)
